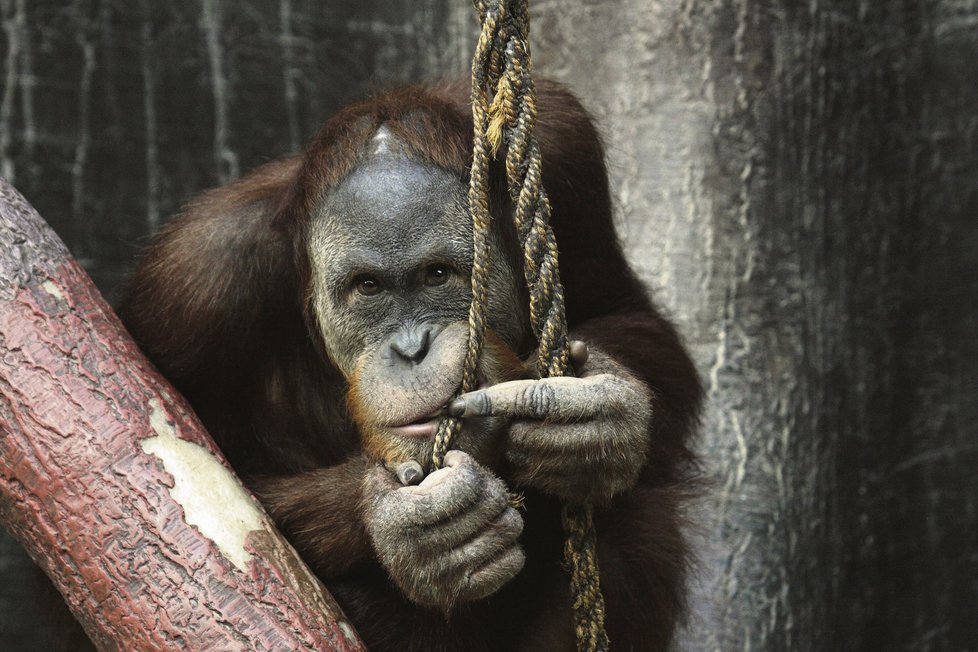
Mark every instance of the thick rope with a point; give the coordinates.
(449, 426)
(504, 114)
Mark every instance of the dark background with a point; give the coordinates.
(797, 183)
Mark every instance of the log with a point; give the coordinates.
(114, 488)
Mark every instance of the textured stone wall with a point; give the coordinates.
(796, 181)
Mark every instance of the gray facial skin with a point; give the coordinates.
(390, 252)
(392, 219)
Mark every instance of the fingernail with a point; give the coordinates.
(412, 476)
(409, 473)
(579, 352)
(457, 408)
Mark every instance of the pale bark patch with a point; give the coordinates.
(212, 499)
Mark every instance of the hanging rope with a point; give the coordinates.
(504, 114)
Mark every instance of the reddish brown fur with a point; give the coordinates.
(218, 304)
(497, 364)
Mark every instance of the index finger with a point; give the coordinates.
(559, 398)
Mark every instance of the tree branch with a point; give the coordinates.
(112, 485)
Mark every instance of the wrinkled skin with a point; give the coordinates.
(581, 439)
(453, 537)
(390, 253)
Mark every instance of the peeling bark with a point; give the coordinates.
(111, 484)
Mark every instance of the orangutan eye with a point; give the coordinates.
(436, 275)
(368, 286)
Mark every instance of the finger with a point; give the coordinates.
(466, 525)
(496, 535)
(570, 443)
(453, 460)
(409, 473)
(494, 575)
(457, 458)
(451, 494)
(491, 550)
(436, 478)
(562, 398)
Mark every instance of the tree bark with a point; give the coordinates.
(112, 485)
(796, 182)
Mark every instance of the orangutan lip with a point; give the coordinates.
(416, 430)
(424, 425)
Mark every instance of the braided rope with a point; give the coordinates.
(449, 427)
(504, 113)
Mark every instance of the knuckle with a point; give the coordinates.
(456, 457)
(489, 577)
(482, 403)
(510, 524)
(536, 399)
(495, 490)
(475, 479)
